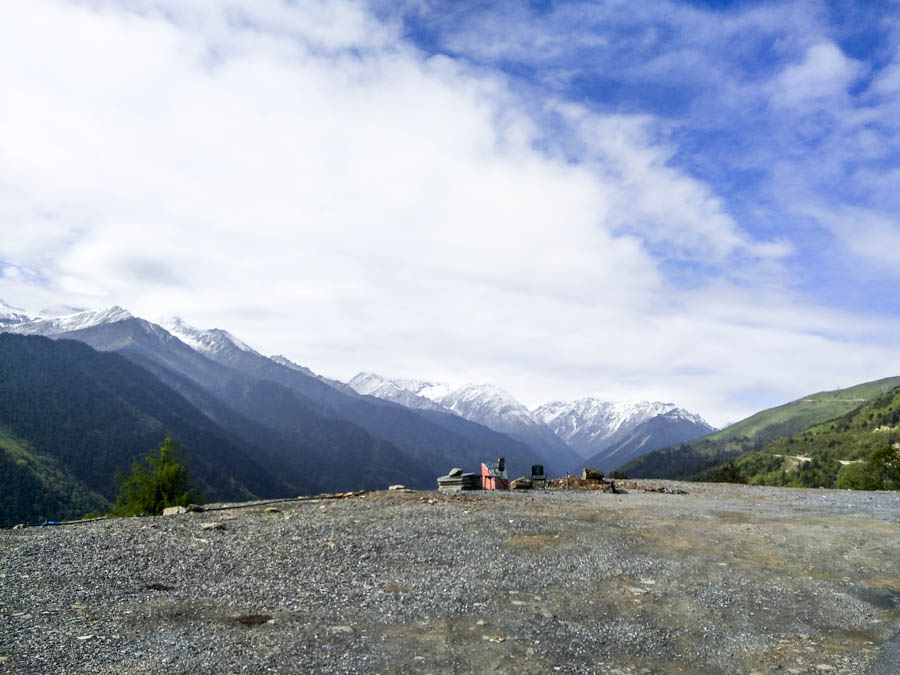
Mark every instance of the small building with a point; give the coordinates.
(494, 477)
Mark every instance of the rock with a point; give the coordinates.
(174, 510)
(212, 526)
(456, 471)
(591, 474)
(20, 526)
(272, 509)
(341, 629)
(396, 487)
(521, 484)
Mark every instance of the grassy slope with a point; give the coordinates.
(756, 431)
(851, 437)
(35, 487)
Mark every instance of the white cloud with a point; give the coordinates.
(305, 179)
(824, 73)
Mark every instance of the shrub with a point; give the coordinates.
(152, 486)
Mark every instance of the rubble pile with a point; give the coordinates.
(591, 479)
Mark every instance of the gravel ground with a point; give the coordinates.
(723, 579)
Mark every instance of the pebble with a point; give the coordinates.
(324, 580)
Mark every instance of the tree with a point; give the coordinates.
(884, 468)
(728, 473)
(152, 486)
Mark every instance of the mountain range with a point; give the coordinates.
(311, 433)
(587, 432)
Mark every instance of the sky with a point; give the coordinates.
(689, 201)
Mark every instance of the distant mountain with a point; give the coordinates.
(334, 384)
(71, 417)
(72, 322)
(591, 425)
(10, 316)
(339, 440)
(674, 426)
(433, 440)
(306, 436)
(756, 431)
(403, 392)
(484, 404)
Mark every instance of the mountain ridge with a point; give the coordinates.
(755, 431)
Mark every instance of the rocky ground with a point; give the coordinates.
(722, 579)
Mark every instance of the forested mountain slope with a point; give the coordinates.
(755, 431)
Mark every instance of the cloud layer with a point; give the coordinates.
(313, 178)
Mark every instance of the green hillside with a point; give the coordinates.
(756, 431)
(37, 488)
(832, 454)
(71, 417)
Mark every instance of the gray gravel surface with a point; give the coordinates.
(723, 579)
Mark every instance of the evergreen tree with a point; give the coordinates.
(152, 486)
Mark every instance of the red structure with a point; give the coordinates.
(493, 477)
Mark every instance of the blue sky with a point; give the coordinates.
(715, 78)
(689, 201)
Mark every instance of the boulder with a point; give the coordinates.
(455, 472)
(174, 510)
(522, 483)
(396, 487)
(591, 474)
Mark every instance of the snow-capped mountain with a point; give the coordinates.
(72, 322)
(485, 404)
(589, 424)
(207, 342)
(669, 428)
(404, 392)
(10, 316)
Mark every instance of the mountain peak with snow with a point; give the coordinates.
(591, 424)
(73, 322)
(210, 341)
(410, 393)
(485, 404)
(10, 315)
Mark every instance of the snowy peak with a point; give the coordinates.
(589, 425)
(590, 418)
(489, 405)
(73, 322)
(485, 404)
(409, 393)
(10, 315)
(680, 414)
(207, 342)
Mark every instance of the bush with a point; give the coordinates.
(163, 481)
